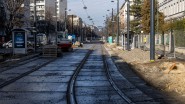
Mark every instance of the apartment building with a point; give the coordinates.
(61, 8)
(123, 21)
(42, 8)
(123, 16)
(48, 7)
(26, 14)
(172, 9)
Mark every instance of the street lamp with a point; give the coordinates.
(118, 31)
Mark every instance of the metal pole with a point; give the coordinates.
(65, 19)
(174, 46)
(128, 25)
(82, 29)
(91, 35)
(56, 23)
(72, 23)
(118, 34)
(34, 24)
(112, 22)
(152, 30)
(107, 35)
(34, 18)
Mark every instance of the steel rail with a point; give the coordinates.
(25, 74)
(111, 79)
(16, 64)
(70, 89)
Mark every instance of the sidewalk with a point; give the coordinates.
(135, 55)
(157, 74)
(142, 56)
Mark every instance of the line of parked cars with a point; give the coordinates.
(9, 44)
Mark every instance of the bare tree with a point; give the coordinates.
(14, 9)
(49, 16)
(2, 16)
(47, 25)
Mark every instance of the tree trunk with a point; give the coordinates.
(163, 45)
(171, 45)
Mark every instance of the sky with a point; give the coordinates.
(96, 9)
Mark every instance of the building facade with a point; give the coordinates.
(123, 22)
(43, 7)
(76, 25)
(61, 9)
(26, 14)
(53, 8)
(123, 15)
(172, 9)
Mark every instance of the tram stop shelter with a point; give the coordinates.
(19, 40)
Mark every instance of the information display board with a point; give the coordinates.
(19, 41)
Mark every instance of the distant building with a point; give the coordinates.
(48, 7)
(75, 19)
(123, 16)
(61, 8)
(123, 21)
(172, 9)
(42, 8)
(26, 14)
(76, 25)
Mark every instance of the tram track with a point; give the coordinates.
(24, 68)
(84, 76)
(16, 64)
(9, 76)
(48, 84)
(70, 89)
(112, 82)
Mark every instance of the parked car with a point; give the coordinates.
(7, 44)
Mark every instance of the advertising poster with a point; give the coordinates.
(19, 39)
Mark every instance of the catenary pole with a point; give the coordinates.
(152, 30)
(118, 31)
(34, 25)
(112, 22)
(128, 25)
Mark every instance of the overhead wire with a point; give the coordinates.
(85, 8)
(86, 11)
